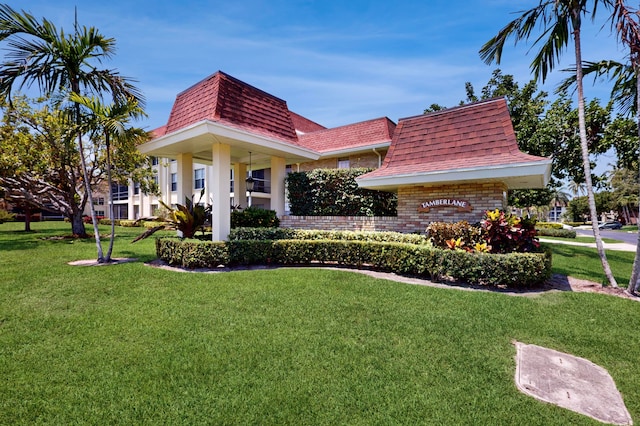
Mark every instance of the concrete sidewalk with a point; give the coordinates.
(607, 246)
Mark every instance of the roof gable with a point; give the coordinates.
(227, 100)
(477, 136)
(370, 132)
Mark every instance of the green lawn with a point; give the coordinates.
(130, 344)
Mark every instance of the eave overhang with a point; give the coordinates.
(198, 138)
(516, 176)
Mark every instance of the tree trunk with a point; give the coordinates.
(585, 160)
(634, 281)
(87, 180)
(27, 218)
(77, 225)
(111, 211)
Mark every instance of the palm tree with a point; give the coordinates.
(560, 21)
(59, 63)
(627, 24)
(112, 121)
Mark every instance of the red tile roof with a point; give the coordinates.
(229, 101)
(477, 135)
(303, 124)
(371, 132)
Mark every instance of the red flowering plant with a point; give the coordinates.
(507, 233)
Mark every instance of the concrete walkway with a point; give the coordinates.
(607, 246)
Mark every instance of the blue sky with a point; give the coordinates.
(335, 62)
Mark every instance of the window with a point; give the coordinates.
(99, 213)
(343, 163)
(154, 161)
(198, 179)
(120, 192)
(99, 201)
(155, 178)
(136, 188)
(174, 182)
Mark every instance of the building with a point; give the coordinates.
(449, 165)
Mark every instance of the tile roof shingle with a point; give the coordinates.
(370, 132)
(471, 136)
(227, 100)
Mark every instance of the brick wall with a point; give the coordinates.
(367, 159)
(480, 196)
(340, 223)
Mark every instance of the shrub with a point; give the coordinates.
(150, 224)
(506, 233)
(245, 233)
(127, 223)
(335, 192)
(547, 225)
(5, 216)
(513, 269)
(551, 232)
(255, 218)
(87, 219)
(300, 234)
(441, 232)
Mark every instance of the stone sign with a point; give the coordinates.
(461, 205)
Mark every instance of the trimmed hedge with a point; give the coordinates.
(301, 234)
(254, 217)
(513, 270)
(554, 225)
(551, 232)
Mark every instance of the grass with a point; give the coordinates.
(130, 344)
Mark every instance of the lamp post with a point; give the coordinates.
(249, 181)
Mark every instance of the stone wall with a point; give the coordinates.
(479, 196)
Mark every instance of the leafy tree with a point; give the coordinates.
(560, 21)
(39, 164)
(625, 189)
(60, 63)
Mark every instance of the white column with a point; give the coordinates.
(132, 200)
(185, 177)
(221, 214)
(239, 184)
(278, 173)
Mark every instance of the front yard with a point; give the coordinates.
(131, 344)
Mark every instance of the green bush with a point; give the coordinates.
(5, 216)
(192, 253)
(513, 269)
(335, 192)
(301, 234)
(577, 223)
(554, 225)
(255, 218)
(152, 224)
(247, 233)
(551, 232)
(440, 232)
(127, 223)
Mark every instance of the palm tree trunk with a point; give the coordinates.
(87, 183)
(111, 210)
(634, 281)
(585, 160)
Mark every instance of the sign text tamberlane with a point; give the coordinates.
(461, 205)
